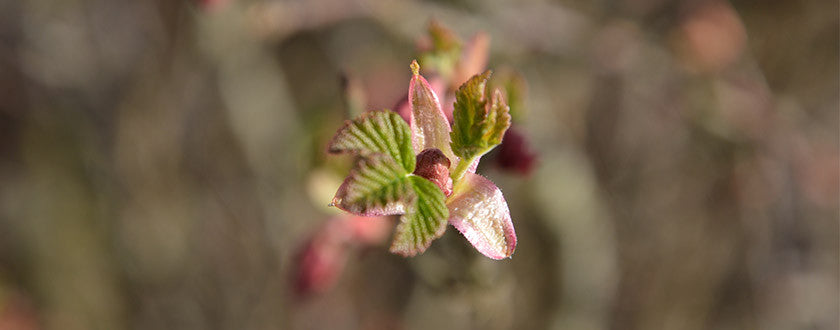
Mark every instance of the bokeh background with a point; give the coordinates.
(162, 166)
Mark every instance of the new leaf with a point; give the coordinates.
(383, 132)
(479, 121)
(381, 183)
(376, 186)
(423, 223)
(429, 126)
(479, 211)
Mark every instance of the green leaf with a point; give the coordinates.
(479, 123)
(497, 120)
(424, 222)
(376, 186)
(376, 132)
(379, 186)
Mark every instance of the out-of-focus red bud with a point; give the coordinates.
(319, 263)
(515, 154)
(321, 259)
(369, 230)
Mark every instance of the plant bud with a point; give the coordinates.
(434, 166)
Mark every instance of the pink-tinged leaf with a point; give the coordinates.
(376, 186)
(403, 108)
(449, 100)
(376, 132)
(479, 211)
(391, 208)
(429, 126)
(440, 88)
(423, 222)
(474, 165)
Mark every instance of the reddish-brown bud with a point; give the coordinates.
(515, 153)
(434, 166)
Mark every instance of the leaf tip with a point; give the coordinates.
(336, 201)
(403, 251)
(479, 211)
(497, 95)
(415, 67)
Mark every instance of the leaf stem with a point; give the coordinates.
(461, 168)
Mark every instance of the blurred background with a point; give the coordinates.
(162, 166)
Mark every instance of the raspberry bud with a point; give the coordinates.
(433, 165)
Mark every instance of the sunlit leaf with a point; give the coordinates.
(376, 186)
(424, 222)
(479, 211)
(429, 127)
(379, 186)
(479, 122)
(515, 153)
(497, 120)
(373, 132)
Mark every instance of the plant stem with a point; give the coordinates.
(461, 168)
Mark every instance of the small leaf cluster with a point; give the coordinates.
(479, 123)
(424, 169)
(382, 183)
